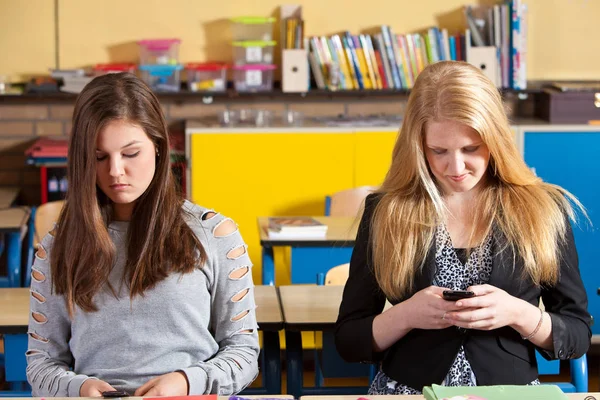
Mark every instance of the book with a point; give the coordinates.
(497, 392)
(296, 227)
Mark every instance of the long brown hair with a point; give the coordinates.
(529, 212)
(159, 241)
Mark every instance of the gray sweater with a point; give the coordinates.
(186, 323)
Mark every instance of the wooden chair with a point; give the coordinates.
(337, 275)
(347, 203)
(46, 216)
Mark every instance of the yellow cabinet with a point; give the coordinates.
(373, 156)
(245, 175)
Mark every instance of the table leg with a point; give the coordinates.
(268, 266)
(272, 351)
(13, 257)
(294, 360)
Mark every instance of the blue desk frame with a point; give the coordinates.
(13, 237)
(308, 258)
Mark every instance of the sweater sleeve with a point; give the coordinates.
(566, 303)
(362, 300)
(49, 358)
(233, 316)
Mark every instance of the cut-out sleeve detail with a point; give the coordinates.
(225, 228)
(37, 296)
(208, 214)
(41, 252)
(239, 273)
(235, 365)
(39, 317)
(236, 252)
(37, 275)
(49, 359)
(239, 296)
(37, 337)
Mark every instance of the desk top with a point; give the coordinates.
(310, 307)
(8, 195)
(341, 231)
(268, 309)
(13, 219)
(14, 309)
(570, 396)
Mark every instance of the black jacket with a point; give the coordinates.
(500, 356)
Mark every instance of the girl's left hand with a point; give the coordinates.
(490, 308)
(172, 384)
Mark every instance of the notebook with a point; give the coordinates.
(498, 392)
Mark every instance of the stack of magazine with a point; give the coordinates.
(296, 228)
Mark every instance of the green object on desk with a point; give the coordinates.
(499, 392)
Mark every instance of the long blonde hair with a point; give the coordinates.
(527, 211)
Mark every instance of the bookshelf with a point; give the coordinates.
(231, 96)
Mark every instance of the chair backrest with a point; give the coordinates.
(45, 218)
(337, 275)
(42, 221)
(347, 203)
(578, 369)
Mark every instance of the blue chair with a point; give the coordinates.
(579, 373)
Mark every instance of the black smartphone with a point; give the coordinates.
(453, 295)
(114, 393)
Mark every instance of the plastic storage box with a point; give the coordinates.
(206, 77)
(252, 28)
(253, 77)
(159, 51)
(253, 52)
(162, 78)
(101, 69)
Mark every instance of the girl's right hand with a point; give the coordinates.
(427, 309)
(94, 388)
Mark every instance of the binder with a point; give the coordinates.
(295, 75)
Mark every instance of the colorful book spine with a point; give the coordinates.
(350, 51)
(387, 42)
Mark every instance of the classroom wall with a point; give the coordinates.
(561, 42)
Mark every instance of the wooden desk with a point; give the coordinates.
(310, 257)
(8, 195)
(13, 224)
(309, 308)
(312, 307)
(14, 310)
(570, 396)
(14, 319)
(270, 322)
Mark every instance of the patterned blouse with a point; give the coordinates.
(456, 269)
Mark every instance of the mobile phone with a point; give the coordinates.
(114, 393)
(453, 295)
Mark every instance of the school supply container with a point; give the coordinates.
(253, 77)
(253, 52)
(159, 51)
(101, 69)
(252, 28)
(162, 78)
(206, 77)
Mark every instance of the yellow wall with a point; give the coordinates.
(561, 41)
(26, 38)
